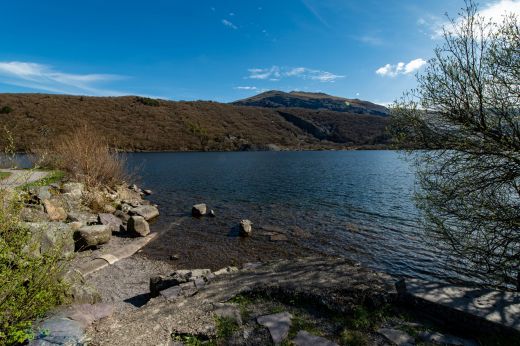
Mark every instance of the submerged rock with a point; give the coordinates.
(246, 228)
(199, 210)
(138, 225)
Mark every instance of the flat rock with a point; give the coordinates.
(278, 325)
(86, 314)
(172, 293)
(138, 225)
(85, 218)
(229, 311)
(148, 212)
(60, 331)
(304, 338)
(396, 336)
(445, 339)
(89, 236)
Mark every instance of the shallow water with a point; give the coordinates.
(356, 204)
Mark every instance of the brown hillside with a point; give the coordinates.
(134, 123)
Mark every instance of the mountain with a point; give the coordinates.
(300, 99)
(134, 123)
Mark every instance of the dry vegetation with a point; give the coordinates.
(139, 124)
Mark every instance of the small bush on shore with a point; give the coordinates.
(29, 283)
(85, 156)
(5, 110)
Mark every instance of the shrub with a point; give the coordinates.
(148, 101)
(5, 110)
(29, 283)
(85, 156)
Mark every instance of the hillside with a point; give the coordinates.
(278, 99)
(139, 124)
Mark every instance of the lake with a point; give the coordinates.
(355, 204)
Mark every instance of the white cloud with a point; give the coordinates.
(246, 88)
(493, 11)
(229, 24)
(44, 77)
(276, 73)
(401, 68)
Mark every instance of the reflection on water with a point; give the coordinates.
(356, 204)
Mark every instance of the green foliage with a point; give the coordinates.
(5, 110)
(53, 177)
(30, 283)
(148, 101)
(353, 338)
(4, 175)
(225, 327)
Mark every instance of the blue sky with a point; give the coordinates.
(221, 50)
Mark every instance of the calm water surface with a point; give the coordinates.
(356, 204)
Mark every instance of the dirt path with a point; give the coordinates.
(19, 177)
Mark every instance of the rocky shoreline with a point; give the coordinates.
(134, 300)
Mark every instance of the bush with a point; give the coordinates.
(85, 156)
(5, 110)
(148, 101)
(29, 283)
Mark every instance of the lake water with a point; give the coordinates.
(356, 204)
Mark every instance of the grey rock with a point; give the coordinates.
(84, 218)
(199, 210)
(197, 273)
(445, 339)
(111, 221)
(147, 211)
(41, 192)
(227, 270)
(60, 331)
(161, 283)
(278, 325)
(188, 288)
(251, 265)
(396, 336)
(172, 293)
(86, 314)
(138, 225)
(304, 338)
(199, 283)
(92, 236)
(246, 228)
(33, 215)
(147, 192)
(46, 236)
(211, 213)
(74, 189)
(83, 293)
(122, 215)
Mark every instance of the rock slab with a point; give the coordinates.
(278, 325)
(396, 336)
(304, 338)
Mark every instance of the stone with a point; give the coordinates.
(199, 210)
(251, 265)
(188, 288)
(122, 215)
(174, 257)
(92, 236)
(197, 273)
(86, 314)
(147, 211)
(84, 218)
(246, 228)
(82, 293)
(74, 189)
(199, 282)
(304, 338)
(445, 339)
(109, 208)
(138, 225)
(55, 212)
(111, 221)
(397, 337)
(41, 192)
(172, 293)
(60, 330)
(278, 325)
(33, 215)
(148, 192)
(212, 213)
(278, 237)
(46, 236)
(228, 311)
(227, 270)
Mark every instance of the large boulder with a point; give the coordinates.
(54, 210)
(147, 211)
(111, 221)
(138, 225)
(41, 192)
(30, 214)
(83, 217)
(246, 228)
(199, 210)
(47, 236)
(92, 236)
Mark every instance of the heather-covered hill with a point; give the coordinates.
(134, 123)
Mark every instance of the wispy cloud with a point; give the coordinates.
(246, 88)
(229, 24)
(371, 40)
(43, 77)
(275, 73)
(493, 11)
(315, 13)
(401, 68)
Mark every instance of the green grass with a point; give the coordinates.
(53, 177)
(225, 327)
(4, 175)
